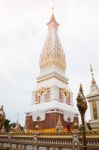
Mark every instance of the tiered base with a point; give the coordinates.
(50, 121)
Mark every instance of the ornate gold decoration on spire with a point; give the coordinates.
(52, 53)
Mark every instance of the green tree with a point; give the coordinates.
(7, 124)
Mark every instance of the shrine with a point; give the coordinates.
(52, 99)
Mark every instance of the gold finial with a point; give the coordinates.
(92, 74)
(91, 70)
(81, 88)
(52, 10)
(52, 19)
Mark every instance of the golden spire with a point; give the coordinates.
(52, 53)
(59, 125)
(52, 23)
(17, 128)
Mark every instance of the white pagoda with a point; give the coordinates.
(93, 99)
(52, 98)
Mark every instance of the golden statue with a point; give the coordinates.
(2, 116)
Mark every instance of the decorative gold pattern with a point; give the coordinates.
(52, 53)
(39, 93)
(95, 115)
(65, 92)
(61, 96)
(42, 91)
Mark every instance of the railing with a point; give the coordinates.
(59, 141)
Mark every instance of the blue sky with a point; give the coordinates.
(22, 34)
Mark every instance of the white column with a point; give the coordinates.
(91, 110)
(54, 93)
(97, 105)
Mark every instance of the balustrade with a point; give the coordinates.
(23, 142)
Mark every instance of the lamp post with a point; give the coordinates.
(82, 107)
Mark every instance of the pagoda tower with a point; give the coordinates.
(93, 99)
(51, 97)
